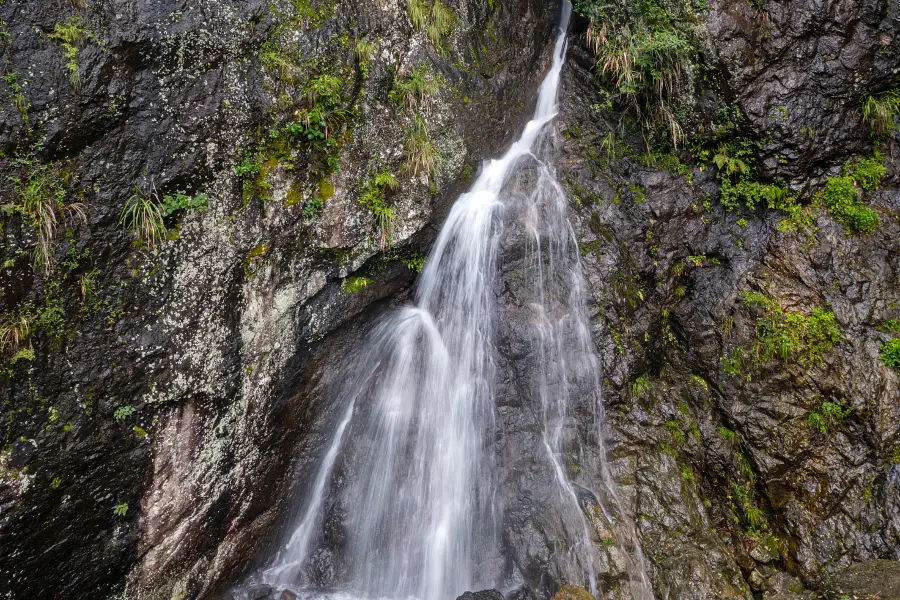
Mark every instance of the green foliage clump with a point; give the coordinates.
(828, 417)
(18, 95)
(373, 199)
(880, 110)
(421, 154)
(645, 54)
(416, 88)
(890, 353)
(640, 386)
(434, 18)
(142, 216)
(788, 335)
(354, 284)
(122, 413)
(867, 172)
(72, 35)
(755, 518)
(41, 202)
(841, 198)
(173, 203)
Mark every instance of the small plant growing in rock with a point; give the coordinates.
(354, 284)
(40, 201)
(72, 36)
(14, 329)
(890, 353)
(841, 197)
(121, 509)
(421, 153)
(123, 412)
(640, 386)
(414, 90)
(789, 335)
(179, 201)
(433, 17)
(142, 216)
(828, 417)
(879, 110)
(373, 199)
(867, 172)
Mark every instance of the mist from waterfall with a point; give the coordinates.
(418, 420)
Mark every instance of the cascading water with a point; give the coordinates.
(420, 482)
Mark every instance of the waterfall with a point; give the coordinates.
(419, 482)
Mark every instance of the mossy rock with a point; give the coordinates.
(573, 592)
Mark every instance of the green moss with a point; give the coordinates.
(354, 284)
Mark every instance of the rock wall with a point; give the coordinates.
(155, 390)
(162, 393)
(741, 476)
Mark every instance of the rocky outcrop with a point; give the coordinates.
(742, 475)
(155, 400)
(160, 396)
(799, 72)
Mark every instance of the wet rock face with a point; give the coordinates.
(739, 481)
(799, 71)
(159, 395)
(160, 399)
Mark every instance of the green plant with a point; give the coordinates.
(890, 353)
(71, 36)
(18, 95)
(754, 516)
(434, 17)
(415, 89)
(40, 200)
(179, 201)
(841, 198)
(123, 412)
(373, 199)
(644, 55)
(414, 263)
(640, 386)
(121, 509)
(867, 172)
(789, 335)
(879, 110)
(364, 52)
(143, 217)
(354, 284)
(829, 416)
(14, 329)
(421, 153)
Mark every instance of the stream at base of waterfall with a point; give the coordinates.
(411, 467)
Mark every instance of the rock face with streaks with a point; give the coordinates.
(164, 375)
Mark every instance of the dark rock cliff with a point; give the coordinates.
(160, 395)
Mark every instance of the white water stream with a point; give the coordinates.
(415, 437)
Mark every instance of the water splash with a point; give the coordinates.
(421, 518)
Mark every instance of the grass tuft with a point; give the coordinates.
(142, 216)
